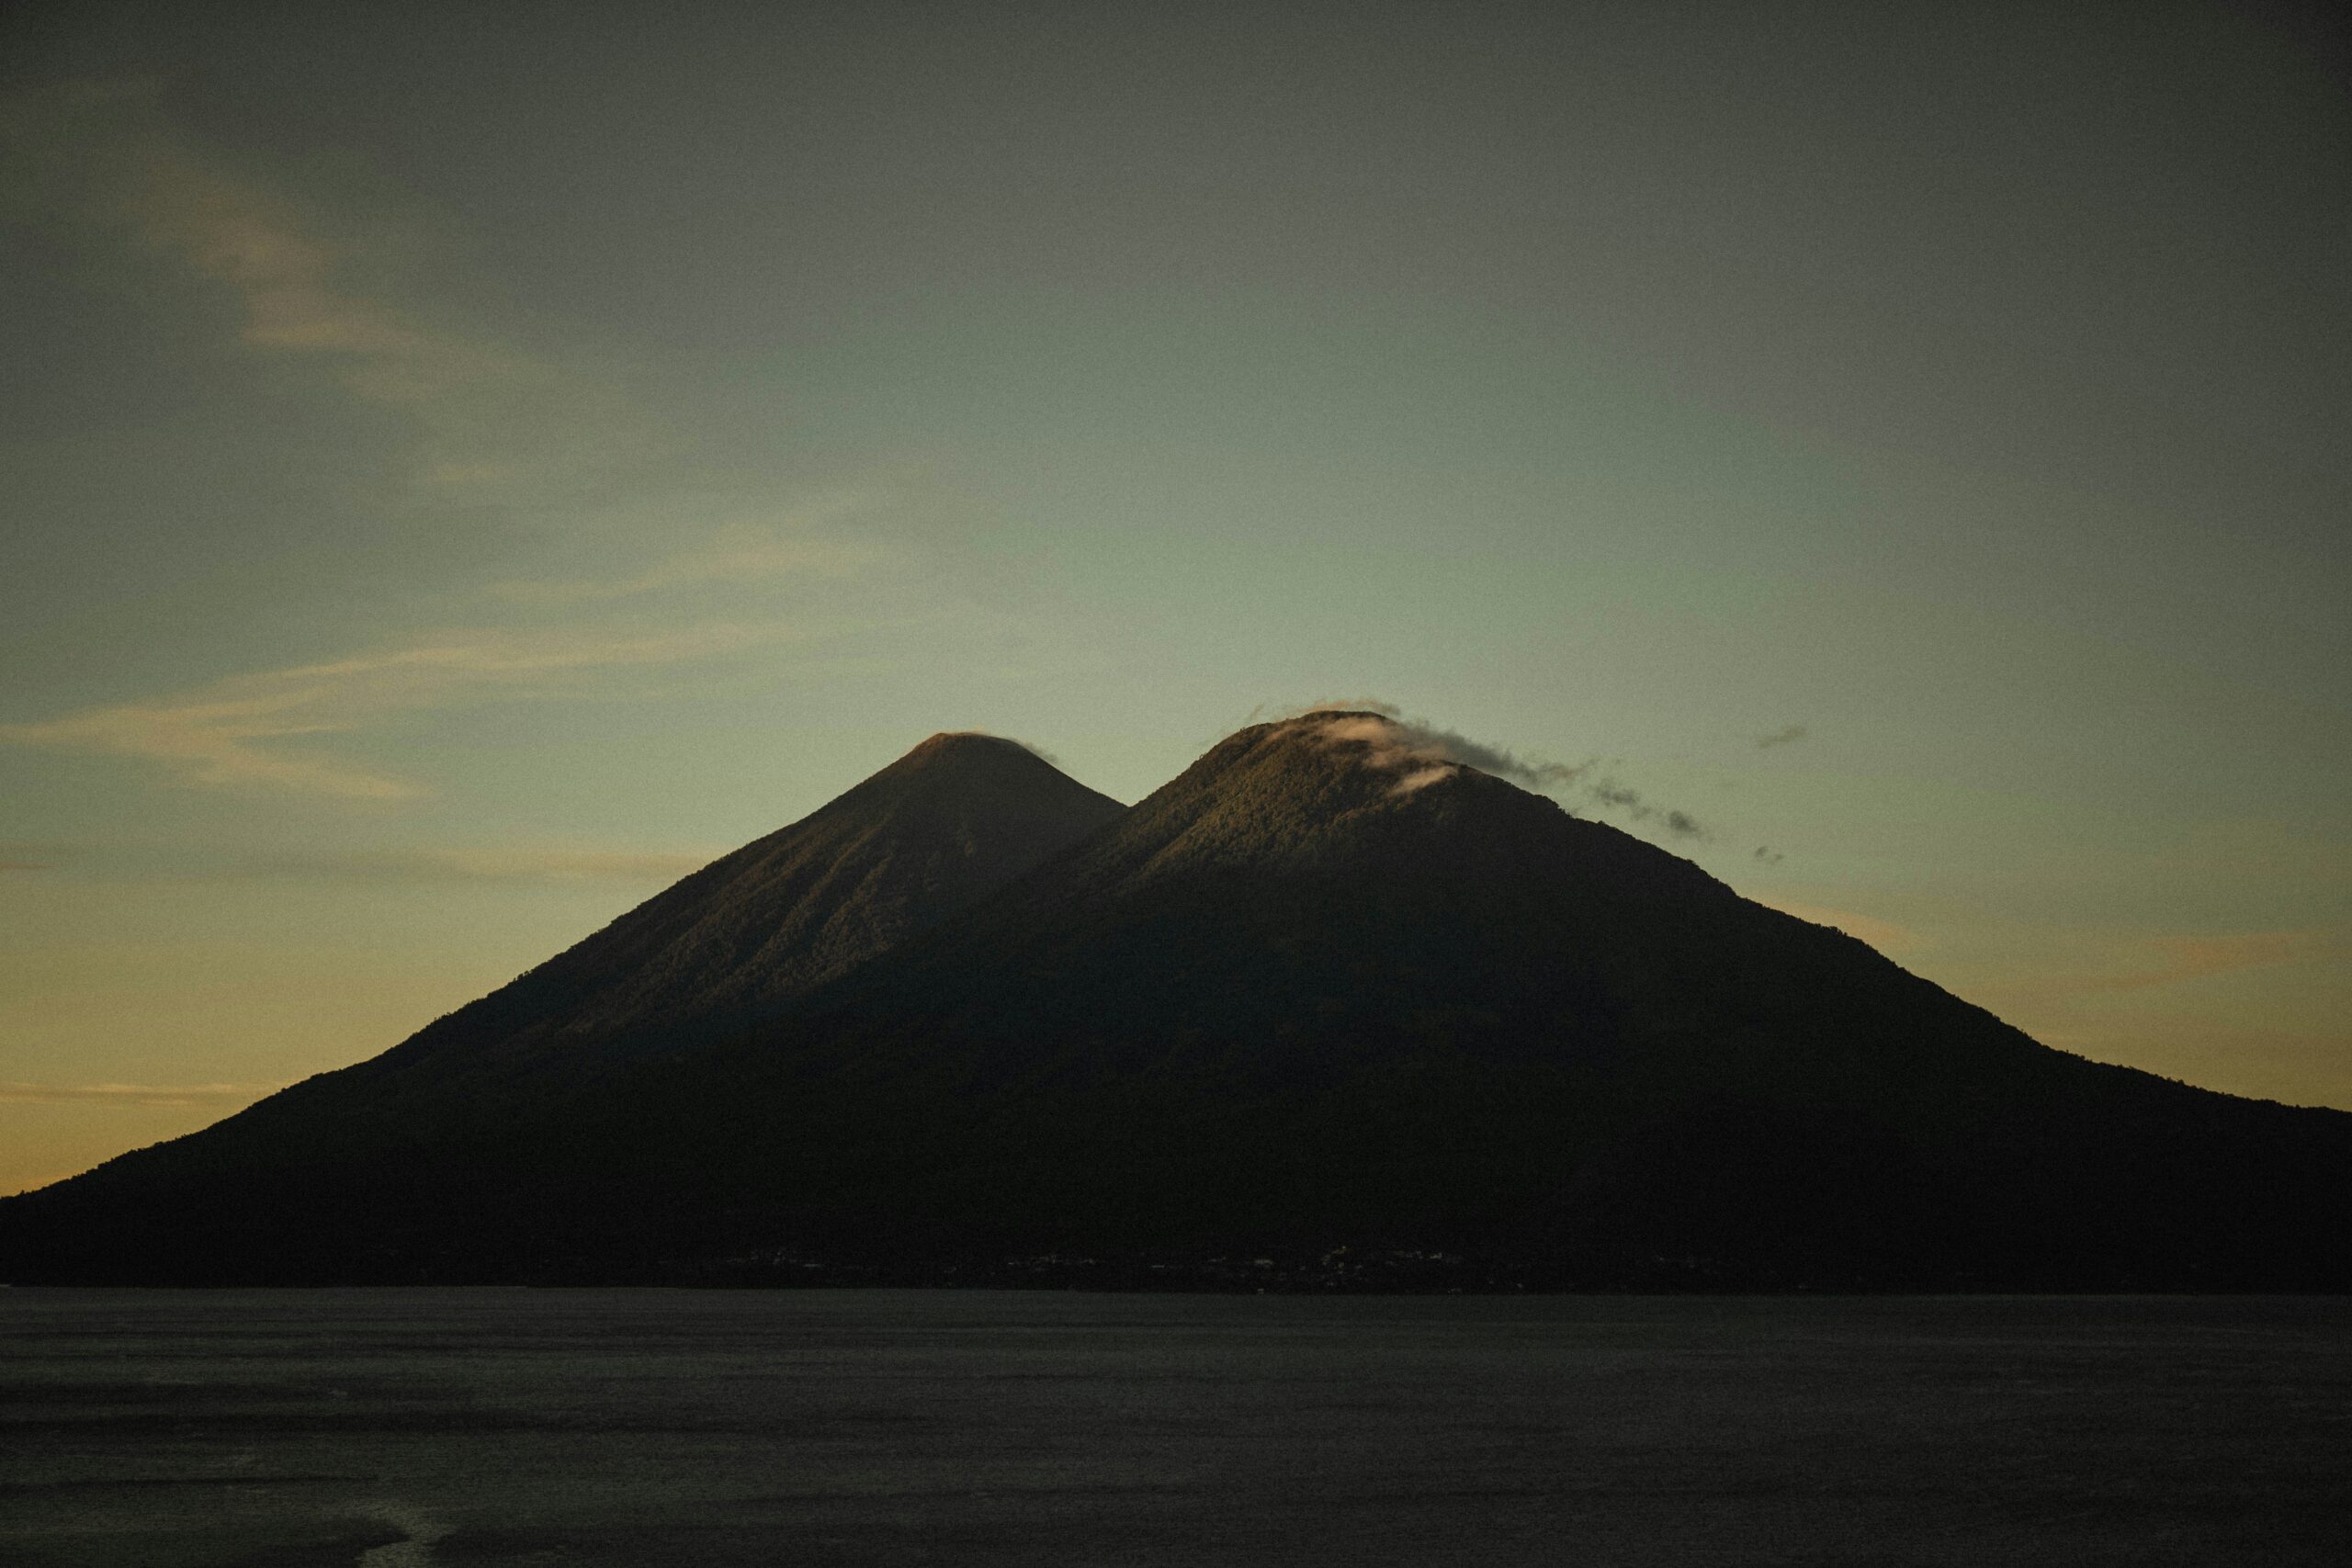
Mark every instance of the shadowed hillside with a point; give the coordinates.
(311, 1179)
(1319, 992)
(1311, 993)
(948, 823)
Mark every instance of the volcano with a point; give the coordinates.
(314, 1182)
(1327, 996)
(950, 822)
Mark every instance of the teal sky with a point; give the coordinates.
(467, 465)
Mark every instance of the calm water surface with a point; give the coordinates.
(406, 1428)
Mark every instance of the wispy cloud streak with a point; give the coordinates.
(2179, 958)
(742, 553)
(237, 733)
(105, 155)
(135, 1094)
(1394, 741)
(1629, 802)
(1423, 753)
(523, 865)
(495, 426)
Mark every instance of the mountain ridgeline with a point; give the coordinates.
(927, 837)
(1323, 1010)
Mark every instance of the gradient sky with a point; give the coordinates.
(468, 465)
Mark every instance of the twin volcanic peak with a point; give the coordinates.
(1330, 986)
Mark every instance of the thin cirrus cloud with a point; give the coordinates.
(104, 154)
(521, 865)
(2136, 1000)
(105, 161)
(127, 1094)
(2089, 966)
(515, 865)
(734, 554)
(253, 732)
(2164, 960)
(218, 742)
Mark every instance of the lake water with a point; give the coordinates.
(409, 1427)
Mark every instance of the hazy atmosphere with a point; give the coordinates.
(467, 466)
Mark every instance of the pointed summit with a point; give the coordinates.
(971, 754)
(948, 823)
(1348, 793)
(942, 828)
(964, 743)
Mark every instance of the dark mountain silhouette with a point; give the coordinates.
(948, 823)
(1323, 1000)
